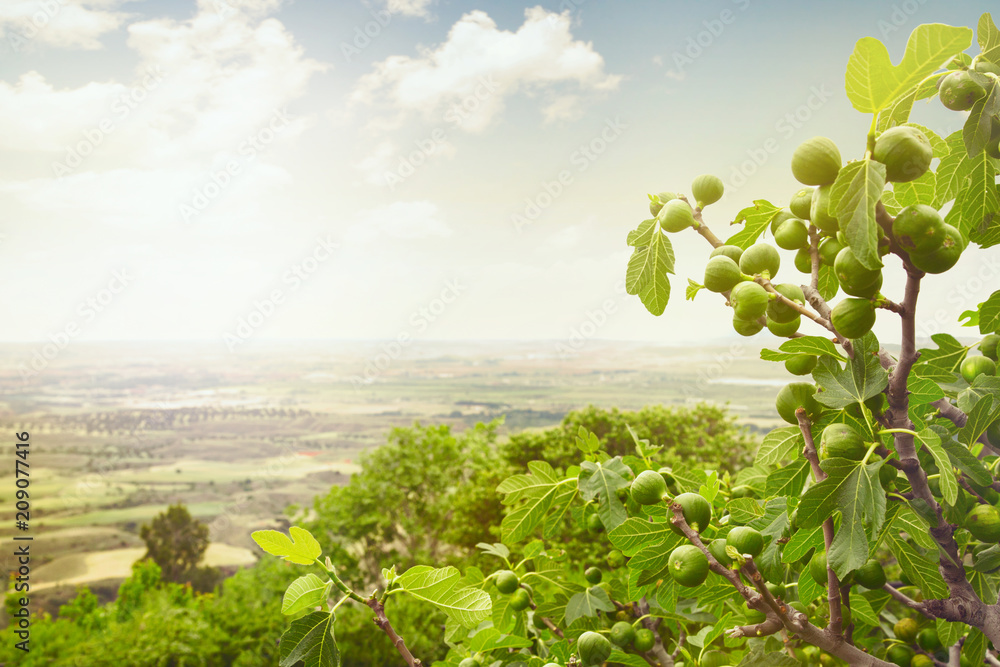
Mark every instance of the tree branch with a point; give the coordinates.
(385, 626)
(833, 590)
(906, 600)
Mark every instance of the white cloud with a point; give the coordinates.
(398, 221)
(468, 76)
(408, 7)
(68, 24)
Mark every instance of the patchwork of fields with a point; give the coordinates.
(120, 432)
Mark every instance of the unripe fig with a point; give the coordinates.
(792, 234)
(717, 548)
(828, 250)
(817, 568)
(906, 153)
(985, 66)
(959, 92)
(850, 271)
(842, 441)
(657, 202)
(816, 161)
(676, 216)
(853, 317)
(870, 575)
(688, 566)
(593, 648)
(919, 229)
(707, 189)
(747, 327)
(988, 346)
(648, 488)
(866, 292)
(780, 217)
(803, 261)
(801, 364)
(760, 259)
(973, 367)
(781, 312)
(795, 395)
(749, 300)
(784, 329)
(722, 274)
(733, 252)
(820, 214)
(746, 540)
(945, 257)
(696, 510)
(801, 203)
(507, 582)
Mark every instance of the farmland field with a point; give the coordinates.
(120, 432)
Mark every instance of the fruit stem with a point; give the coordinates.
(640, 619)
(888, 431)
(871, 449)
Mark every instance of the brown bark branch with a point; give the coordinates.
(385, 626)
(833, 585)
(906, 600)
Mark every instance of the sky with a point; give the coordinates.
(242, 171)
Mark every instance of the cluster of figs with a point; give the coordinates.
(960, 91)
(933, 245)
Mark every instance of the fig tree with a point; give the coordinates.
(676, 216)
(707, 189)
(816, 161)
(959, 92)
(722, 274)
(906, 153)
(760, 259)
(853, 317)
(919, 228)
